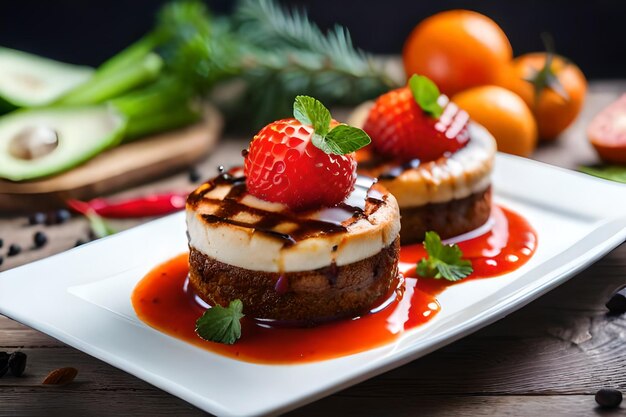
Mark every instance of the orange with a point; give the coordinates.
(504, 114)
(553, 112)
(457, 49)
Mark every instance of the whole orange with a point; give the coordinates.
(555, 108)
(457, 49)
(504, 114)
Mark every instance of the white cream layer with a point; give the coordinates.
(463, 173)
(245, 248)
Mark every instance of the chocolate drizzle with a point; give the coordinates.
(395, 172)
(333, 220)
(282, 285)
(376, 201)
(332, 273)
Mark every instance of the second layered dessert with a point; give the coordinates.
(428, 154)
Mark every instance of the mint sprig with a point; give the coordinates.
(221, 324)
(339, 140)
(426, 94)
(444, 261)
(310, 111)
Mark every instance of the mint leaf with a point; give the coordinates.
(222, 325)
(312, 112)
(444, 261)
(607, 172)
(342, 139)
(426, 94)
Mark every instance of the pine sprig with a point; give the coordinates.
(198, 49)
(273, 53)
(264, 22)
(286, 55)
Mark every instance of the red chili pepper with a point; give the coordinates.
(152, 205)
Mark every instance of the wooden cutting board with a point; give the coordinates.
(125, 166)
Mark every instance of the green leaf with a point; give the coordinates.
(444, 261)
(312, 112)
(607, 172)
(221, 325)
(342, 139)
(426, 94)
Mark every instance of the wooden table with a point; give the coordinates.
(548, 359)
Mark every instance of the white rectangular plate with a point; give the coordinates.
(82, 297)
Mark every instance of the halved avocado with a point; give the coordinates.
(77, 134)
(28, 80)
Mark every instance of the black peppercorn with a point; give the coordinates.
(1, 243)
(4, 359)
(608, 398)
(37, 218)
(194, 175)
(62, 215)
(1, 260)
(4, 363)
(17, 363)
(14, 249)
(617, 302)
(40, 239)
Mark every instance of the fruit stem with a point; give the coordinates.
(546, 78)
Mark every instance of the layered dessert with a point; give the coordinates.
(294, 234)
(429, 155)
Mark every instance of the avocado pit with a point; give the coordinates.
(34, 142)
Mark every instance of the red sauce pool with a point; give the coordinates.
(162, 301)
(508, 245)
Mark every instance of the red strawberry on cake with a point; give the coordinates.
(435, 162)
(295, 235)
(416, 122)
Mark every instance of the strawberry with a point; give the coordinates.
(304, 162)
(416, 122)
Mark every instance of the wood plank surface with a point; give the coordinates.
(547, 359)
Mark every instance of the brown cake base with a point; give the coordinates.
(448, 219)
(306, 297)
